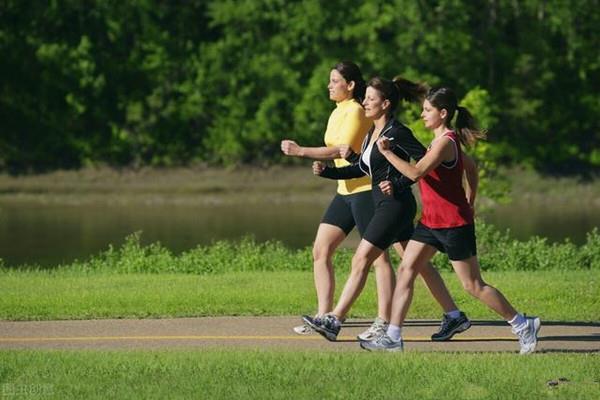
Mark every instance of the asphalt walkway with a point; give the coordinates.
(276, 332)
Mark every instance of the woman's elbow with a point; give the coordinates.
(416, 175)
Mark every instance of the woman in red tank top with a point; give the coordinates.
(447, 221)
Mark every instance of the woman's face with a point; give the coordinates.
(432, 117)
(374, 103)
(339, 89)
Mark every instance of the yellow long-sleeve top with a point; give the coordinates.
(348, 125)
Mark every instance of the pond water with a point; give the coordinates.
(52, 234)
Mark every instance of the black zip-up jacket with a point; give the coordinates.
(404, 145)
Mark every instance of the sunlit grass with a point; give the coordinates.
(42, 295)
(268, 374)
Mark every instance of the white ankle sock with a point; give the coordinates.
(518, 320)
(453, 314)
(394, 331)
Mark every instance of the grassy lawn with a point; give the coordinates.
(282, 374)
(45, 295)
(299, 375)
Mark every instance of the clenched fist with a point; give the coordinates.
(383, 144)
(291, 148)
(318, 167)
(345, 150)
(386, 187)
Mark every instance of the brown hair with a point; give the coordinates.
(397, 90)
(443, 98)
(351, 73)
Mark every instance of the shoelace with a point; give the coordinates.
(381, 340)
(445, 323)
(525, 335)
(376, 327)
(329, 321)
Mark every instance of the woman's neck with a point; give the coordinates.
(380, 122)
(440, 130)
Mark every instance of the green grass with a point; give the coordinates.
(259, 374)
(47, 295)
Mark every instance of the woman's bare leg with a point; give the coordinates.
(416, 256)
(327, 241)
(364, 256)
(469, 273)
(386, 281)
(433, 280)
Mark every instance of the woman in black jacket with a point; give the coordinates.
(393, 221)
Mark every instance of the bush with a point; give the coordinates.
(497, 252)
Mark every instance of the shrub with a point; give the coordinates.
(496, 249)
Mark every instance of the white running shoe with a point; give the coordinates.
(306, 329)
(383, 343)
(303, 329)
(528, 334)
(377, 328)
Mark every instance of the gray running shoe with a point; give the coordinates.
(377, 328)
(383, 343)
(328, 326)
(528, 334)
(450, 327)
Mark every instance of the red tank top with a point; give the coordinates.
(442, 195)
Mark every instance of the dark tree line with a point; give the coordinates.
(150, 82)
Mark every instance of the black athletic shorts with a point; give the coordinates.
(393, 220)
(346, 211)
(458, 243)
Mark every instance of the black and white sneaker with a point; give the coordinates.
(328, 326)
(450, 327)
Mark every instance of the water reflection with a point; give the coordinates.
(52, 234)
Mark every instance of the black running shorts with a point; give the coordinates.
(459, 243)
(346, 211)
(393, 220)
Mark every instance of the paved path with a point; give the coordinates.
(275, 332)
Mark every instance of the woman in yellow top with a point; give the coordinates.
(353, 203)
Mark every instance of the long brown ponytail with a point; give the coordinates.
(397, 90)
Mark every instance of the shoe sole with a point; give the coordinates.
(363, 339)
(391, 350)
(537, 324)
(461, 328)
(326, 334)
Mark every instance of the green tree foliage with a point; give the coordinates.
(149, 82)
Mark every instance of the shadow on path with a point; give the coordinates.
(592, 337)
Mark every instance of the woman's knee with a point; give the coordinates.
(361, 263)
(383, 263)
(323, 251)
(473, 287)
(405, 276)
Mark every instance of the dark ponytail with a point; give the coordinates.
(409, 90)
(351, 73)
(468, 131)
(397, 90)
